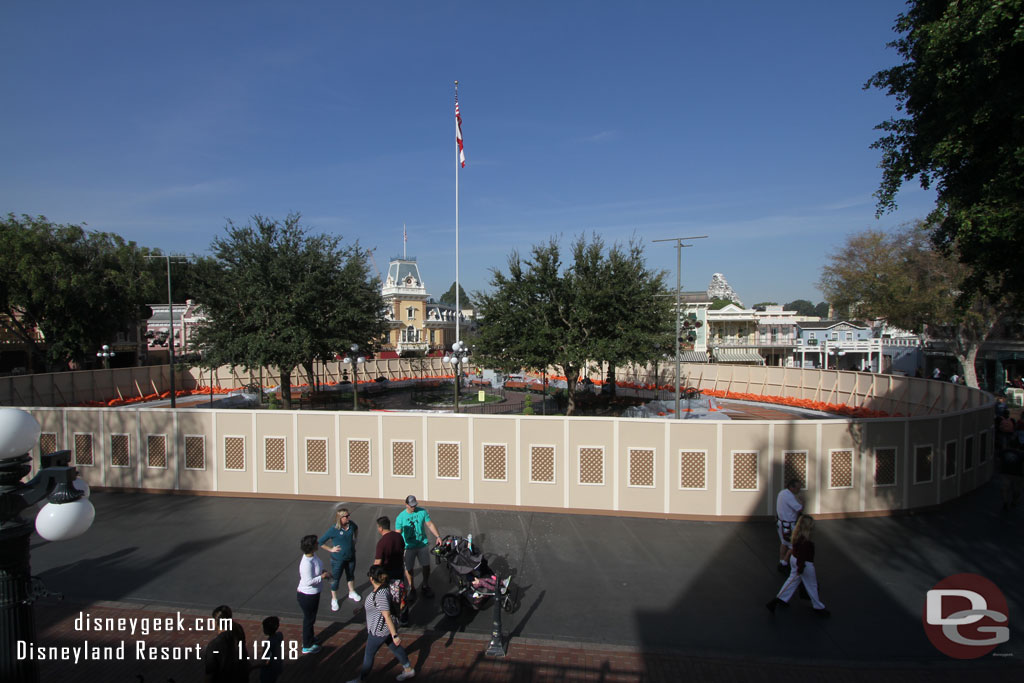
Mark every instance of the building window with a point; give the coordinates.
(849, 336)
(812, 335)
(410, 313)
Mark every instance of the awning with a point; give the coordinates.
(693, 357)
(738, 356)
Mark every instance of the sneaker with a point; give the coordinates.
(353, 596)
(823, 612)
(334, 604)
(407, 673)
(311, 650)
(775, 602)
(428, 592)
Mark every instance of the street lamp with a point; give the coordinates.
(352, 358)
(106, 354)
(67, 514)
(457, 359)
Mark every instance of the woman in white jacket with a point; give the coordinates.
(311, 576)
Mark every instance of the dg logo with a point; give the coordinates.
(965, 616)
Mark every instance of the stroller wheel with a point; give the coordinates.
(451, 605)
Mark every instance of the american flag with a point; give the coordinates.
(458, 132)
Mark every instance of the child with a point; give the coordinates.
(272, 669)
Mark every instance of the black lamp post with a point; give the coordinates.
(67, 514)
(355, 360)
(457, 359)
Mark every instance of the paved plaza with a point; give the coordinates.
(601, 597)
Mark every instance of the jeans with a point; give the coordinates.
(373, 644)
(310, 604)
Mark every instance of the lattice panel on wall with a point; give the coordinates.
(403, 459)
(195, 452)
(448, 461)
(968, 453)
(794, 466)
(120, 450)
(744, 471)
(316, 456)
(840, 471)
(156, 451)
(234, 453)
(83, 449)
(274, 453)
(495, 462)
(641, 467)
(47, 443)
(922, 464)
(592, 465)
(885, 467)
(693, 469)
(542, 464)
(950, 463)
(359, 456)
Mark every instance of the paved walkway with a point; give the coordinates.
(601, 597)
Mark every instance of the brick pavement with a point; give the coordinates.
(445, 656)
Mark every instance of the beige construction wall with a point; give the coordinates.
(714, 468)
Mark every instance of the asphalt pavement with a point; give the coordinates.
(685, 589)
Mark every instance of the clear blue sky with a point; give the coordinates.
(744, 121)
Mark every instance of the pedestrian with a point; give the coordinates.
(937, 373)
(272, 664)
(311, 576)
(342, 536)
(412, 522)
(1010, 467)
(802, 572)
(787, 510)
(390, 554)
(380, 627)
(954, 378)
(225, 658)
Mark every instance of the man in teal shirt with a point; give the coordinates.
(413, 523)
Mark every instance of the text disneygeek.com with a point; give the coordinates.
(129, 626)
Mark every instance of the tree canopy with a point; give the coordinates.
(449, 297)
(275, 295)
(606, 306)
(79, 288)
(960, 91)
(904, 279)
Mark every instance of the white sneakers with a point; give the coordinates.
(334, 604)
(353, 596)
(406, 674)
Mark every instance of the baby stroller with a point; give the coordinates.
(474, 583)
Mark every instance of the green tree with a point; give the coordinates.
(276, 296)
(904, 279)
(959, 88)
(764, 305)
(79, 288)
(605, 306)
(449, 297)
(719, 304)
(801, 306)
(821, 310)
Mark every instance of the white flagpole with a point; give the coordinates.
(458, 305)
(405, 241)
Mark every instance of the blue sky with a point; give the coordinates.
(743, 121)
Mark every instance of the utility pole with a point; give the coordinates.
(679, 284)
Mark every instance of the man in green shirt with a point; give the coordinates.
(413, 523)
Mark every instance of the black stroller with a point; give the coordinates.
(474, 583)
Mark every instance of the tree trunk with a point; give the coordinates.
(967, 368)
(610, 380)
(571, 377)
(286, 389)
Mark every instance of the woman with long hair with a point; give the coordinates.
(381, 628)
(311, 575)
(801, 569)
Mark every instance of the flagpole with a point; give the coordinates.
(458, 306)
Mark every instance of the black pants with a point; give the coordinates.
(310, 604)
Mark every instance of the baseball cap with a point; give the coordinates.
(410, 500)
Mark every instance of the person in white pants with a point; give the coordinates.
(801, 563)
